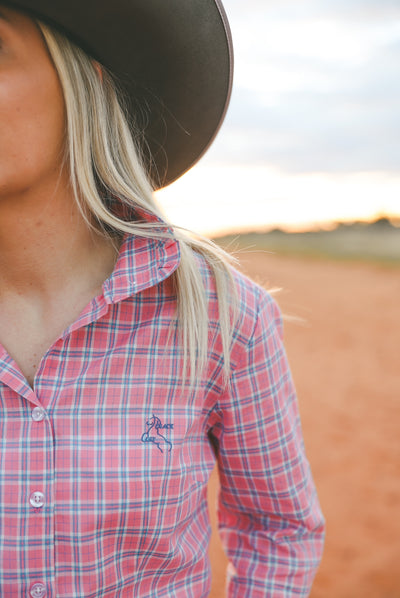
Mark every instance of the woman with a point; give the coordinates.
(133, 355)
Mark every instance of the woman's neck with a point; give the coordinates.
(46, 246)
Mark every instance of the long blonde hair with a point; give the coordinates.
(104, 162)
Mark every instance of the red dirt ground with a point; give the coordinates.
(345, 359)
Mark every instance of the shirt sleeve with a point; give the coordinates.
(270, 520)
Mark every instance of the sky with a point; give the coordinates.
(312, 134)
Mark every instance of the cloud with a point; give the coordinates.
(360, 10)
(310, 95)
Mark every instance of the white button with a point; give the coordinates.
(37, 499)
(38, 414)
(38, 590)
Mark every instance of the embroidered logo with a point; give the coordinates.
(155, 435)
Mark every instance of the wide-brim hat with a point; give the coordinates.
(173, 58)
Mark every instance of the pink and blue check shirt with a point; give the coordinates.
(105, 462)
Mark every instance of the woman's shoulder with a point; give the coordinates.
(248, 300)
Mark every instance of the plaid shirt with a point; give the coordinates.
(105, 463)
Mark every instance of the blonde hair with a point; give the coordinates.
(105, 167)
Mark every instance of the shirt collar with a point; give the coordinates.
(142, 263)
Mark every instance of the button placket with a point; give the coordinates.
(40, 497)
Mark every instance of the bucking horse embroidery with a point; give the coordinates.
(153, 433)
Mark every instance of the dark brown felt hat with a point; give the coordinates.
(173, 58)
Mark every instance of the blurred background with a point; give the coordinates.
(303, 185)
(312, 133)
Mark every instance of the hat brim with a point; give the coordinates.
(174, 60)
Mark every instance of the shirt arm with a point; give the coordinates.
(270, 520)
